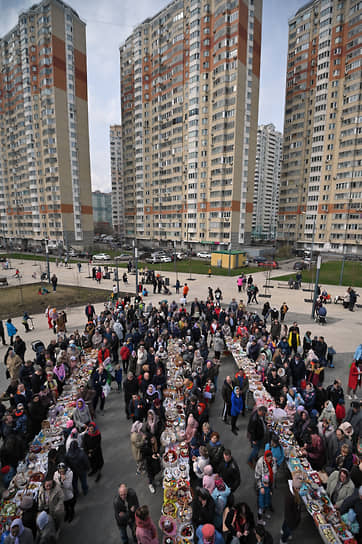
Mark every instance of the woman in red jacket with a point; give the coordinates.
(353, 380)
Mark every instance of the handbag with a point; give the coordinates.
(105, 390)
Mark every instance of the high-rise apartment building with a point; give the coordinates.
(321, 182)
(266, 182)
(102, 211)
(115, 136)
(45, 185)
(189, 93)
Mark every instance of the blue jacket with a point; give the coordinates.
(12, 330)
(278, 453)
(236, 404)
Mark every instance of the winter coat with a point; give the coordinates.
(230, 473)
(122, 509)
(55, 505)
(292, 507)
(203, 514)
(345, 491)
(13, 364)
(353, 376)
(329, 413)
(146, 532)
(215, 453)
(137, 441)
(66, 485)
(219, 344)
(226, 392)
(355, 419)
(92, 447)
(236, 404)
(199, 465)
(334, 448)
(256, 427)
(261, 470)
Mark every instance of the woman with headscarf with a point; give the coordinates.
(239, 523)
(46, 529)
(191, 428)
(300, 425)
(314, 448)
(329, 414)
(339, 487)
(92, 446)
(78, 462)
(152, 426)
(64, 478)
(13, 364)
(60, 374)
(150, 395)
(265, 471)
(138, 438)
(81, 415)
(19, 534)
(51, 499)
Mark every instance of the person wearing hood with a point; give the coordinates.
(146, 532)
(150, 395)
(236, 408)
(19, 534)
(81, 415)
(191, 428)
(137, 440)
(220, 496)
(13, 364)
(79, 464)
(339, 487)
(208, 480)
(46, 528)
(329, 414)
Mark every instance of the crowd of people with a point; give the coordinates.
(131, 340)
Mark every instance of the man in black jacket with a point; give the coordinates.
(256, 432)
(125, 504)
(226, 391)
(19, 347)
(229, 471)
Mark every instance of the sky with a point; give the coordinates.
(109, 22)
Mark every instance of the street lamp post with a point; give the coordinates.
(135, 253)
(47, 257)
(319, 260)
(174, 260)
(229, 271)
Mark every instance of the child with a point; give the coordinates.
(209, 391)
(264, 499)
(118, 376)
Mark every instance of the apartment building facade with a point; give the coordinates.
(189, 98)
(266, 182)
(116, 155)
(45, 184)
(321, 182)
(102, 211)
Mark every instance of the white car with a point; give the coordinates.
(203, 255)
(101, 257)
(165, 259)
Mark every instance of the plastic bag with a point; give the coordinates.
(106, 390)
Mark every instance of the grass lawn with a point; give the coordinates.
(330, 274)
(15, 300)
(196, 267)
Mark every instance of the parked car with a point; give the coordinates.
(259, 259)
(101, 257)
(123, 257)
(268, 264)
(153, 260)
(300, 265)
(203, 255)
(166, 259)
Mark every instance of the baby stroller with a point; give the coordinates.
(39, 348)
(320, 315)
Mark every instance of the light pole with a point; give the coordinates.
(174, 260)
(319, 260)
(229, 271)
(47, 257)
(135, 254)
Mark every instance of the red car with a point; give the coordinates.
(268, 264)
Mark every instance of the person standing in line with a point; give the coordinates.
(236, 408)
(11, 330)
(92, 447)
(2, 332)
(256, 433)
(292, 507)
(283, 310)
(54, 281)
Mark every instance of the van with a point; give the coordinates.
(52, 244)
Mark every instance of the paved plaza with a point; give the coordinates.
(94, 521)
